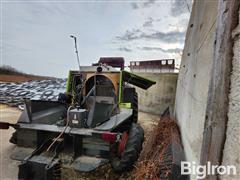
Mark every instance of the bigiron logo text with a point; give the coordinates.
(201, 171)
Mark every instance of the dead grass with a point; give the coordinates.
(10, 74)
(21, 78)
(152, 163)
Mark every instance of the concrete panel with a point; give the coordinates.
(194, 77)
(161, 95)
(231, 153)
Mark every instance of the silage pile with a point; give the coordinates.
(156, 159)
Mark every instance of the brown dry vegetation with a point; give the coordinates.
(21, 78)
(151, 164)
(10, 74)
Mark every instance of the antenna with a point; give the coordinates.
(76, 50)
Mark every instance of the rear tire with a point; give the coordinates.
(132, 150)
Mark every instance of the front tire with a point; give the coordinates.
(132, 150)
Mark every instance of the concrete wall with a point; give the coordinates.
(193, 87)
(194, 76)
(161, 95)
(231, 153)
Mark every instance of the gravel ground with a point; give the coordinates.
(9, 168)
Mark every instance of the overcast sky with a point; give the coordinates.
(35, 35)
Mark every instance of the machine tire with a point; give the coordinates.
(135, 108)
(132, 150)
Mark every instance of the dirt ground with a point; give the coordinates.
(9, 168)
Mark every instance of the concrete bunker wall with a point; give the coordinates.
(194, 77)
(231, 153)
(161, 95)
(207, 41)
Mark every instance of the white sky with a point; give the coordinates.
(35, 35)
